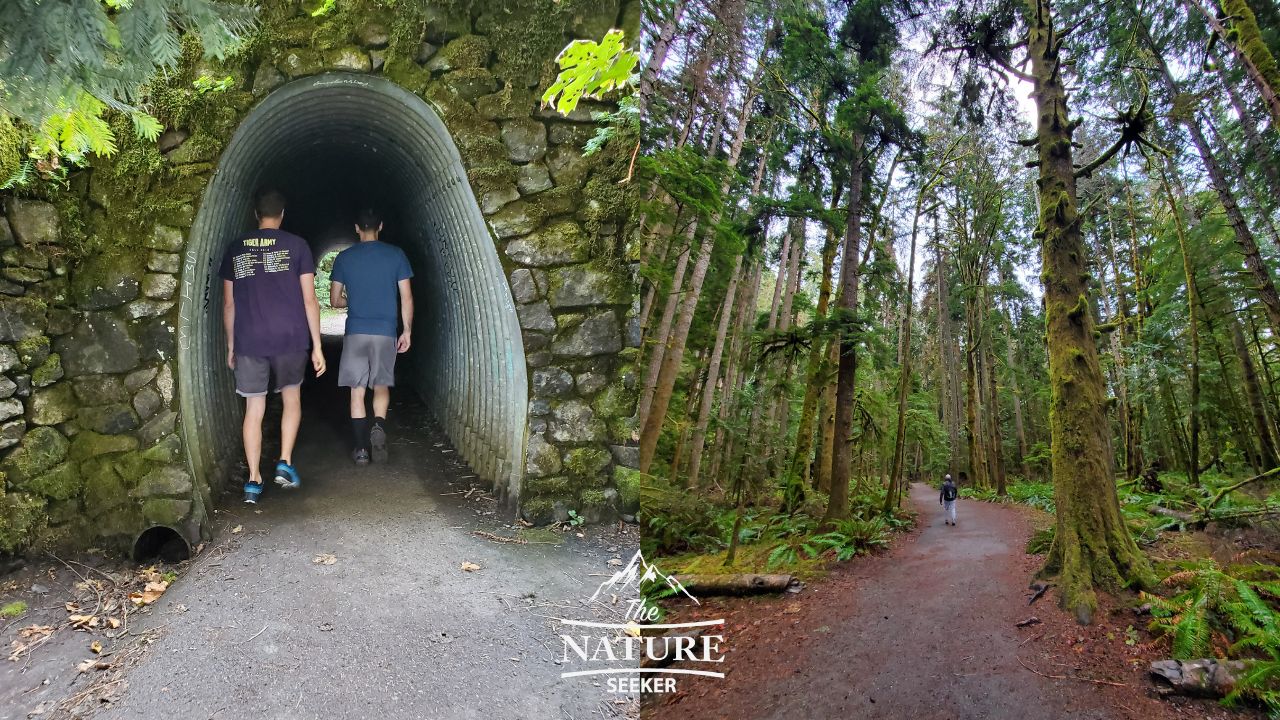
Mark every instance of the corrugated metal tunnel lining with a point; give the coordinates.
(352, 138)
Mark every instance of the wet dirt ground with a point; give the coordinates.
(927, 631)
(392, 626)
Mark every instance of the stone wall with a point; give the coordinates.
(90, 449)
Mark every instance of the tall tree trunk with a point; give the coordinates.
(1263, 154)
(892, 497)
(658, 348)
(651, 426)
(828, 426)
(850, 274)
(800, 466)
(948, 366)
(1245, 40)
(713, 376)
(734, 379)
(1193, 313)
(1092, 545)
(973, 405)
(995, 457)
(1010, 353)
(658, 55)
(1244, 236)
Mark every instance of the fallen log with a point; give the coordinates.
(1208, 678)
(1185, 517)
(737, 584)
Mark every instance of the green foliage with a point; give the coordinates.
(325, 8)
(63, 65)
(205, 84)
(1229, 603)
(590, 69)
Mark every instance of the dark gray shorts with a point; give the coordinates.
(367, 361)
(253, 374)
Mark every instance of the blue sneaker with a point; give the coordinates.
(252, 490)
(287, 476)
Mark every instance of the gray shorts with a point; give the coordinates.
(253, 374)
(367, 361)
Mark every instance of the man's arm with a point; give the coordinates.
(406, 315)
(336, 297)
(229, 320)
(308, 281)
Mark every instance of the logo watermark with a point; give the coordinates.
(634, 654)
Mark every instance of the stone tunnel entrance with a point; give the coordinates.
(330, 143)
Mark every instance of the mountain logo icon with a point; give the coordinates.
(636, 574)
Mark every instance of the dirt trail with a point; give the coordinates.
(926, 632)
(393, 627)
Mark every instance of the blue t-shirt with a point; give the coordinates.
(263, 267)
(370, 272)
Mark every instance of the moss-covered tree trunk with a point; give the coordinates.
(1245, 40)
(814, 376)
(972, 408)
(1092, 546)
(846, 339)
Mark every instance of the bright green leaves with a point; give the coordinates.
(325, 8)
(63, 65)
(75, 132)
(590, 69)
(205, 84)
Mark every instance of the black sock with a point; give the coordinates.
(360, 428)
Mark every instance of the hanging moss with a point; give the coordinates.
(1248, 37)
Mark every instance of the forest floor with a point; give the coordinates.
(344, 599)
(927, 631)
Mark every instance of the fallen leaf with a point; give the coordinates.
(113, 622)
(83, 622)
(615, 561)
(581, 535)
(326, 627)
(469, 566)
(324, 559)
(632, 629)
(36, 631)
(237, 529)
(95, 647)
(150, 593)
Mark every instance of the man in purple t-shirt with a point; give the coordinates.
(271, 316)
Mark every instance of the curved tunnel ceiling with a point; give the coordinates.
(330, 143)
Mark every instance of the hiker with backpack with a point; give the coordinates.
(947, 499)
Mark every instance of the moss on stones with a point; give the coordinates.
(88, 444)
(627, 480)
(41, 449)
(21, 517)
(468, 52)
(63, 482)
(586, 462)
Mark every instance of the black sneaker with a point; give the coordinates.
(361, 456)
(378, 439)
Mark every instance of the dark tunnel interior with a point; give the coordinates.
(362, 141)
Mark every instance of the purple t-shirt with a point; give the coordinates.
(264, 267)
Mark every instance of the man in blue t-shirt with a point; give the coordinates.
(272, 319)
(368, 278)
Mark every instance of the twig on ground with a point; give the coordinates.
(1034, 637)
(255, 635)
(1070, 677)
(499, 538)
